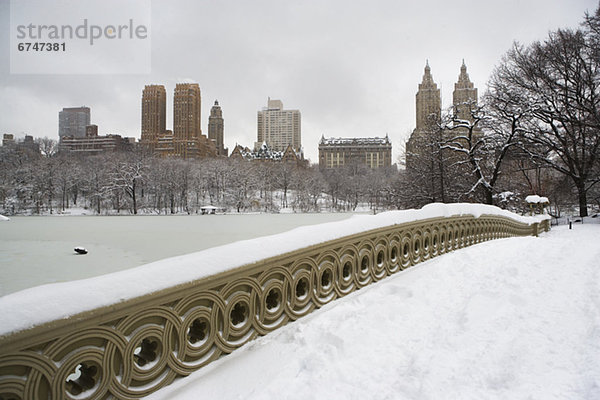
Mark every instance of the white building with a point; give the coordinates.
(278, 127)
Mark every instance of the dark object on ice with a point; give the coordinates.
(80, 250)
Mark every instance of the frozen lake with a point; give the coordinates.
(38, 250)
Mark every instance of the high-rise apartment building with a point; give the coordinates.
(186, 111)
(216, 128)
(188, 140)
(278, 127)
(72, 121)
(154, 113)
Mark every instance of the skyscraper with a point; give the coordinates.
(154, 113)
(464, 96)
(428, 101)
(278, 127)
(186, 111)
(188, 140)
(216, 128)
(72, 121)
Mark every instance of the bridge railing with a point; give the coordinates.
(132, 348)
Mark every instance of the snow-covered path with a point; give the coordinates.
(514, 318)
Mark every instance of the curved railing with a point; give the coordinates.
(133, 348)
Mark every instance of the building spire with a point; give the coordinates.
(427, 82)
(464, 82)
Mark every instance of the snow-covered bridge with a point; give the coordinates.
(131, 333)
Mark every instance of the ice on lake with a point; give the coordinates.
(36, 250)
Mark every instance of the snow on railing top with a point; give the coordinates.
(41, 304)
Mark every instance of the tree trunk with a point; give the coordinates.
(133, 197)
(489, 199)
(582, 195)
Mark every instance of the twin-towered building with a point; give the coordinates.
(186, 139)
(428, 114)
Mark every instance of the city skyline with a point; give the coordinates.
(347, 81)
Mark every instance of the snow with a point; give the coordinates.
(34, 306)
(523, 324)
(37, 250)
(3, 218)
(535, 199)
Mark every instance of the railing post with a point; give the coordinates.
(535, 226)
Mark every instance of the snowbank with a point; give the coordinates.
(30, 307)
(526, 325)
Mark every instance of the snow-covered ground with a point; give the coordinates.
(515, 318)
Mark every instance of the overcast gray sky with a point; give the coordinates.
(351, 67)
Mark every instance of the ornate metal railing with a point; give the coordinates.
(133, 348)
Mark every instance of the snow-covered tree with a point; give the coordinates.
(559, 80)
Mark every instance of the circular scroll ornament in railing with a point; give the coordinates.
(379, 270)
(365, 264)
(347, 270)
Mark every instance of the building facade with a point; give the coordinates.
(216, 127)
(95, 144)
(27, 145)
(278, 128)
(154, 113)
(72, 121)
(373, 152)
(91, 130)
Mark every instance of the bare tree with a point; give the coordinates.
(48, 147)
(559, 80)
